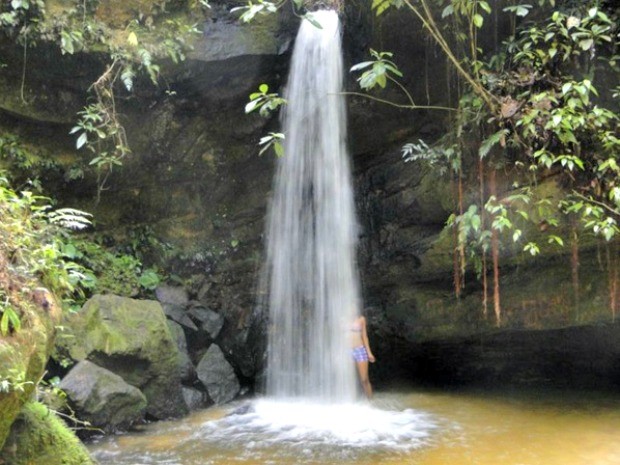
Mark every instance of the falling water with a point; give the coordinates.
(313, 287)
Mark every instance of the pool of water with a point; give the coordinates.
(421, 428)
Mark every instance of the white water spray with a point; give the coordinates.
(313, 281)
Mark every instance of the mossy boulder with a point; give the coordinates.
(39, 437)
(24, 354)
(131, 338)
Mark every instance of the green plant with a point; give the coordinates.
(32, 239)
(9, 320)
(113, 271)
(522, 109)
(266, 102)
(254, 9)
(14, 381)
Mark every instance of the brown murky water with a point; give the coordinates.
(417, 428)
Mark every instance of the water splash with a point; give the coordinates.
(320, 432)
(313, 283)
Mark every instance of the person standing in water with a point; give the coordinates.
(360, 349)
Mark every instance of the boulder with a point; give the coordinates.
(218, 376)
(175, 295)
(209, 321)
(24, 353)
(177, 313)
(39, 437)
(185, 365)
(103, 398)
(194, 399)
(130, 338)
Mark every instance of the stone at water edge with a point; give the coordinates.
(39, 437)
(103, 398)
(218, 376)
(194, 398)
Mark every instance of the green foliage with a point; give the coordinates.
(251, 10)
(528, 112)
(13, 380)
(9, 321)
(381, 69)
(259, 8)
(32, 241)
(263, 101)
(17, 16)
(112, 271)
(273, 139)
(24, 164)
(443, 158)
(380, 6)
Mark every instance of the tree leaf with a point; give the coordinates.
(312, 21)
(81, 140)
(251, 106)
(478, 20)
(490, 141)
(132, 39)
(279, 149)
(362, 65)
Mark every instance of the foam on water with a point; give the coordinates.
(318, 428)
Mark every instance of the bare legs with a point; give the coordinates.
(362, 370)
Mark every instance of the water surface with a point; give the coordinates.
(420, 428)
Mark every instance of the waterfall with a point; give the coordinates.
(313, 290)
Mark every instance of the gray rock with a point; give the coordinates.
(175, 295)
(204, 291)
(218, 376)
(209, 321)
(178, 313)
(185, 365)
(178, 335)
(194, 399)
(103, 398)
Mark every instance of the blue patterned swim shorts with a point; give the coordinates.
(359, 354)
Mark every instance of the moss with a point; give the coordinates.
(23, 357)
(39, 437)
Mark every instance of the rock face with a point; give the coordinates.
(584, 357)
(39, 437)
(195, 179)
(218, 376)
(131, 339)
(103, 398)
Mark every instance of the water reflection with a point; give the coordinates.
(414, 428)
